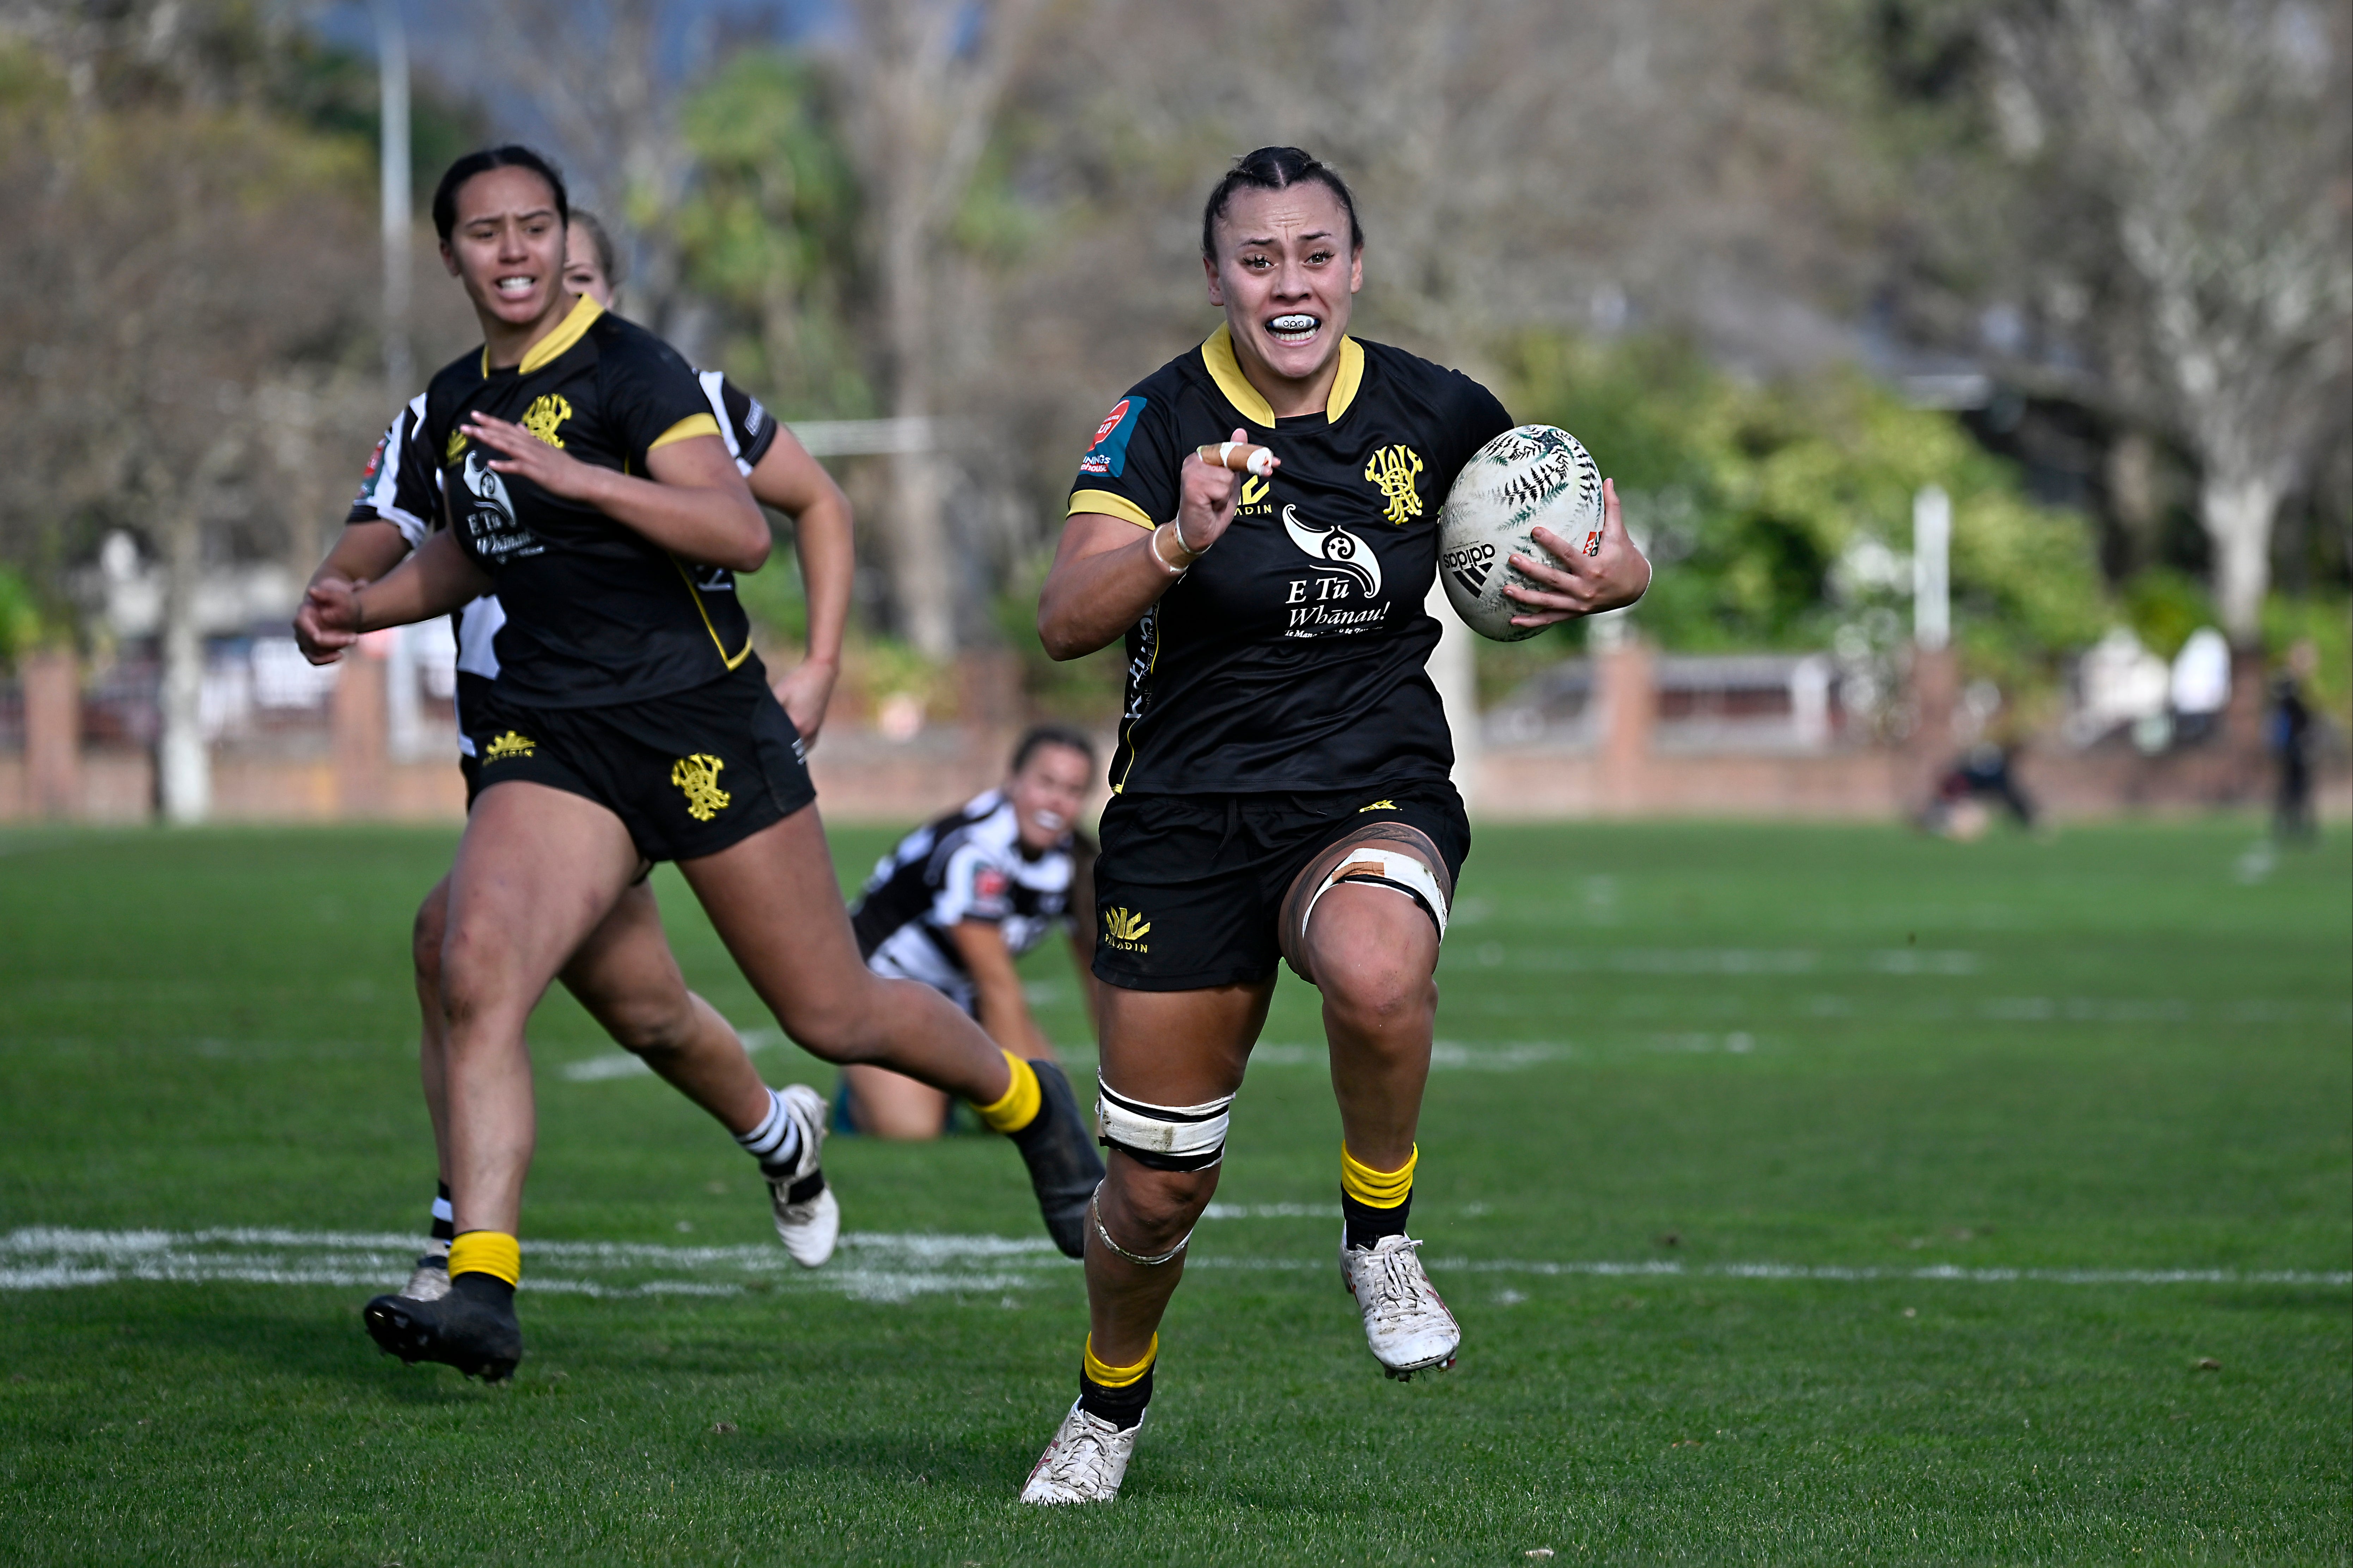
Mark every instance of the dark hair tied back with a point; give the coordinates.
(1274, 169)
(1044, 735)
(511, 156)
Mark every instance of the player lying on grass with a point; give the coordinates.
(625, 974)
(1282, 766)
(959, 899)
(584, 478)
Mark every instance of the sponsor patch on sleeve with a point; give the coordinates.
(1108, 455)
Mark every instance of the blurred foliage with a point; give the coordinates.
(770, 232)
(2328, 624)
(20, 618)
(2163, 607)
(1779, 516)
(776, 600)
(1085, 690)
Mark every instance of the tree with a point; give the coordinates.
(923, 81)
(191, 292)
(2212, 138)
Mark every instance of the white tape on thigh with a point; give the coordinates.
(1385, 868)
(1179, 1137)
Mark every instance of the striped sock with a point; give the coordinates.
(1375, 1204)
(1118, 1393)
(444, 1223)
(777, 1142)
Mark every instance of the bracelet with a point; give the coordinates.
(359, 615)
(1152, 548)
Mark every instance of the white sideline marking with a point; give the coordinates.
(873, 1267)
(622, 1064)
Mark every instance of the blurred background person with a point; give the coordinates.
(2292, 738)
(957, 903)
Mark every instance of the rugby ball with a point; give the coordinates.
(1531, 476)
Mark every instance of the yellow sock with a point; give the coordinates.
(1019, 1107)
(1107, 1376)
(491, 1252)
(1376, 1189)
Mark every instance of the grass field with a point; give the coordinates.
(1805, 1194)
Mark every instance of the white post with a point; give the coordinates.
(403, 722)
(1932, 541)
(392, 178)
(1454, 670)
(1809, 701)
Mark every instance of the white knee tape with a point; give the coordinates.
(1164, 1137)
(1386, 869)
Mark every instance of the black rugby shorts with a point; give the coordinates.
(1189, 888)
(689, 774)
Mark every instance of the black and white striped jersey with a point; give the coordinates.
(969, 865)
(407, 495)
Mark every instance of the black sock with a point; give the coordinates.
(1123, 1407)
(1366, 1225)
(485, 1290)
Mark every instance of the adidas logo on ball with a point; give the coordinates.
(1470, 566)
(1535, 476)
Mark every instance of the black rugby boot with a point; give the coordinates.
(472, 1327)
(1064, 1169)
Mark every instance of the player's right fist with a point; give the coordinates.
(1208, 495)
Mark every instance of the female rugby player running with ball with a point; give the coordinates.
(625, 974)
(1281, 774)
(586, 481)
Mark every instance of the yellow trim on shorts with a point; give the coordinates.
(1111, 504)
(686, 429)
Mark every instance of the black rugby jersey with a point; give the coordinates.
(595, 612)
(1291, 657)
(401, 486)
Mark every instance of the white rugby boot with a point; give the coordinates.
(430, 1282)
(1085, 1463)
(1407, 1327)
(808, 1219)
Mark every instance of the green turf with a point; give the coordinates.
(2130, 1050)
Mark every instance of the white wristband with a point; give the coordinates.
(1152, 547)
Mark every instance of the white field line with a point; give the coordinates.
(873, 1267)
(622, 1064)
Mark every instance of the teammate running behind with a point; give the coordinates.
(964, 897)
(625, 974)
(584, 479)
(1281, 772)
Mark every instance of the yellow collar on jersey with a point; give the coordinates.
(1227, 372)
(570, 331)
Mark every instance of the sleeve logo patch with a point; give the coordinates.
(1108, 455)
(990, 883)
(375, 461)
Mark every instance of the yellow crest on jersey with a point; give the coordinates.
(1397, 472)
(510, 745)
(547, 413)
(698, 777)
